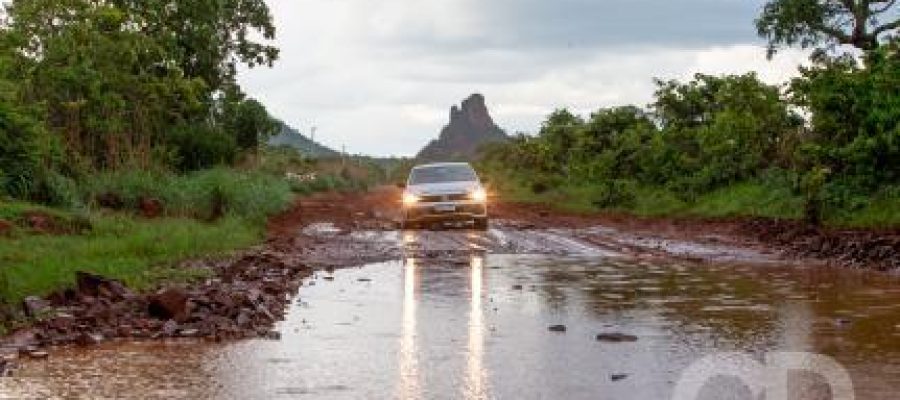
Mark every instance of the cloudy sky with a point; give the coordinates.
(380, 76)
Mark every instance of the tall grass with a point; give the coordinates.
(139, 252)
(771, 196)
(252, 195)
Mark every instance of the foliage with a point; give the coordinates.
(728, 145)
(855, 124)
(125, 84)
(201, 194)
(822, 24)
(201, 146)
(697, 136)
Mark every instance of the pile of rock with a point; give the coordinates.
(863, 249)
(244, 299)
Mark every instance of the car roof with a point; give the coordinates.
(443, 164)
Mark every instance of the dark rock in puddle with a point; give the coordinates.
(364, 280)
(843, 322)
(273, 335)
(328, 278)
(617, 377)
(616, 337)
(557, 328)
(168, 304)
(518, 287)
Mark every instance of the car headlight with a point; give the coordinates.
(410, 199)
(479, 195)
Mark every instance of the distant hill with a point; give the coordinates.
(293, 138)
(470, 127)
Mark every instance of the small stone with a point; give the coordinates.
(188, 332)
(169, 328)
(328, 278)
(168, 304)
(518, 287)
(616, 337)
(557, 328)
(38, 354)
(618, 377)
(90, 339)
(364, 280)
(273, 335)
(34, 306)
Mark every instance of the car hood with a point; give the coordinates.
(443, 188)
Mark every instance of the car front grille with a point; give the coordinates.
(444, 198)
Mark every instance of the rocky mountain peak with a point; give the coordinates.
(470, 127)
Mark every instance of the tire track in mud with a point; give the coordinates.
(437, 243)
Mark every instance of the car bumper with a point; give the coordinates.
(448, 211)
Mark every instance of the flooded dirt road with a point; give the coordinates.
(466, 315)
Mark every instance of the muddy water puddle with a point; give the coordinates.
(477, 328)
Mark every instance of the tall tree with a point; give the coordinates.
(208, 39)
(823, 24)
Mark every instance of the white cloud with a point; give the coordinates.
(380, 77)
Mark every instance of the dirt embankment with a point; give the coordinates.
(790, 240)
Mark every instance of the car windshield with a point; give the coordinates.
(442, 173)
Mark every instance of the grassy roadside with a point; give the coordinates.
(760, 199)
(100, 224)
(137, 251)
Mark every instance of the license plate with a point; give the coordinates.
(443, 208)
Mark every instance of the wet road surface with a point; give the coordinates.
(465, 315)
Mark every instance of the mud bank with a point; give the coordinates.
(788, 241)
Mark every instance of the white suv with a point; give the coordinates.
(444, 192)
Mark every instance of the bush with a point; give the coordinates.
(54, 189)
(202, 146)
(615, 193)
(204, 194)
(19, 150)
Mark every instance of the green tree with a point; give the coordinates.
(820, 24)
(855, 116)
(719, 129)
(559, 134)
(248, 121)
(207, 39)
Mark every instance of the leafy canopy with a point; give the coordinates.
(823, 24)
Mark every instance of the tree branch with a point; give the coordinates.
(887, 5)
(886, 27)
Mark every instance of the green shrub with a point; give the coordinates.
(203, 194)
(615, 193)
(202, 146)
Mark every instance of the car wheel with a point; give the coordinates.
(481, 224)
